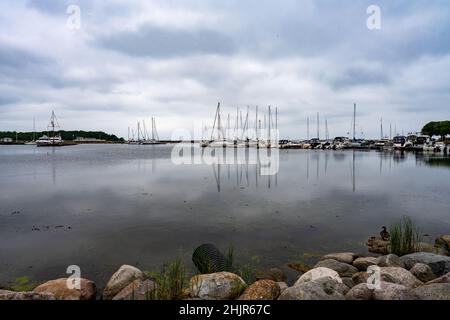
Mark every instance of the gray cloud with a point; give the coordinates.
(151, 41)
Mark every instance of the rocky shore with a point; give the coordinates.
(336, 276)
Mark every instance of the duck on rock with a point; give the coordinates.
(384, 234)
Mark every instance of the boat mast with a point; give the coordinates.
(256, 124)
(307, 128)
(382, 133)
(318, 129)
(34, 129)
(354, 122)
(270, 120)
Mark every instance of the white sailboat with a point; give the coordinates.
(33, 142)
(53, 140)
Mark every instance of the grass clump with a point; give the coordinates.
(404, 237)
(23, 284)
(169, 282)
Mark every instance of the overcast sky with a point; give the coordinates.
(174, 60)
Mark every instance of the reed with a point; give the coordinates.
(170, 281)
(404, 237)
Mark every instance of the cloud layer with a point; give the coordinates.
(176, 59)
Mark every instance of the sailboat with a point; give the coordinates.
(54, 140)
(155, 137)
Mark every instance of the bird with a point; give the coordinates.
(384, 234)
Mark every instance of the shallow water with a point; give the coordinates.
(101, 206)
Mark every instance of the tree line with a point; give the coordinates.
(65, 135)
(437, 128)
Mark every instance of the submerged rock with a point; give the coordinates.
(439, 264)
(437, 291)
(216, 286)
(344, 257)
(320, 289)
(60, 290)
(262, 290)
(300, 267)
(423, 272)
(12, 295)
(120, 279)
(273, 274)
(137, 290)
(399, 276)
(343, 269)
(318, 273)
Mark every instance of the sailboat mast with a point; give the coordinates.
(34, 129)
(256, 124)
(318, 128)
(382, 133)
(307, 128)
(354, 122)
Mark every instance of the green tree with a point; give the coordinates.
(437, 128)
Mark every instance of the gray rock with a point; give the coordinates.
(216, 286)
(137, 290)
(437, 291)
(392, 291)
(363, 263)
(439, 264)
(444, 279)
(283, 286)
(318, 273)
(390, 260)
(12, 295)
(320, 289)
(348, 282)
(423, 272)
(344, 257)
(120, 279)
(399, 276)
(360, 292)
(343, 269)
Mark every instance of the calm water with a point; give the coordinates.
(103, 206)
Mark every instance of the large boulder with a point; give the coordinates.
(399, 276)
(319, 289)
(343, 269)
(318, 273)
(437, 291)
(344, 257)
(216, 286)
(360, 292)
(137, 290)
(120, 279)
(262, 290)
(390, 260)
(423, 272)
(439, 264)
(393, 291)
(12, 295)
(444, 279)
(273, 274)
(60, 289)
(363, 263)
